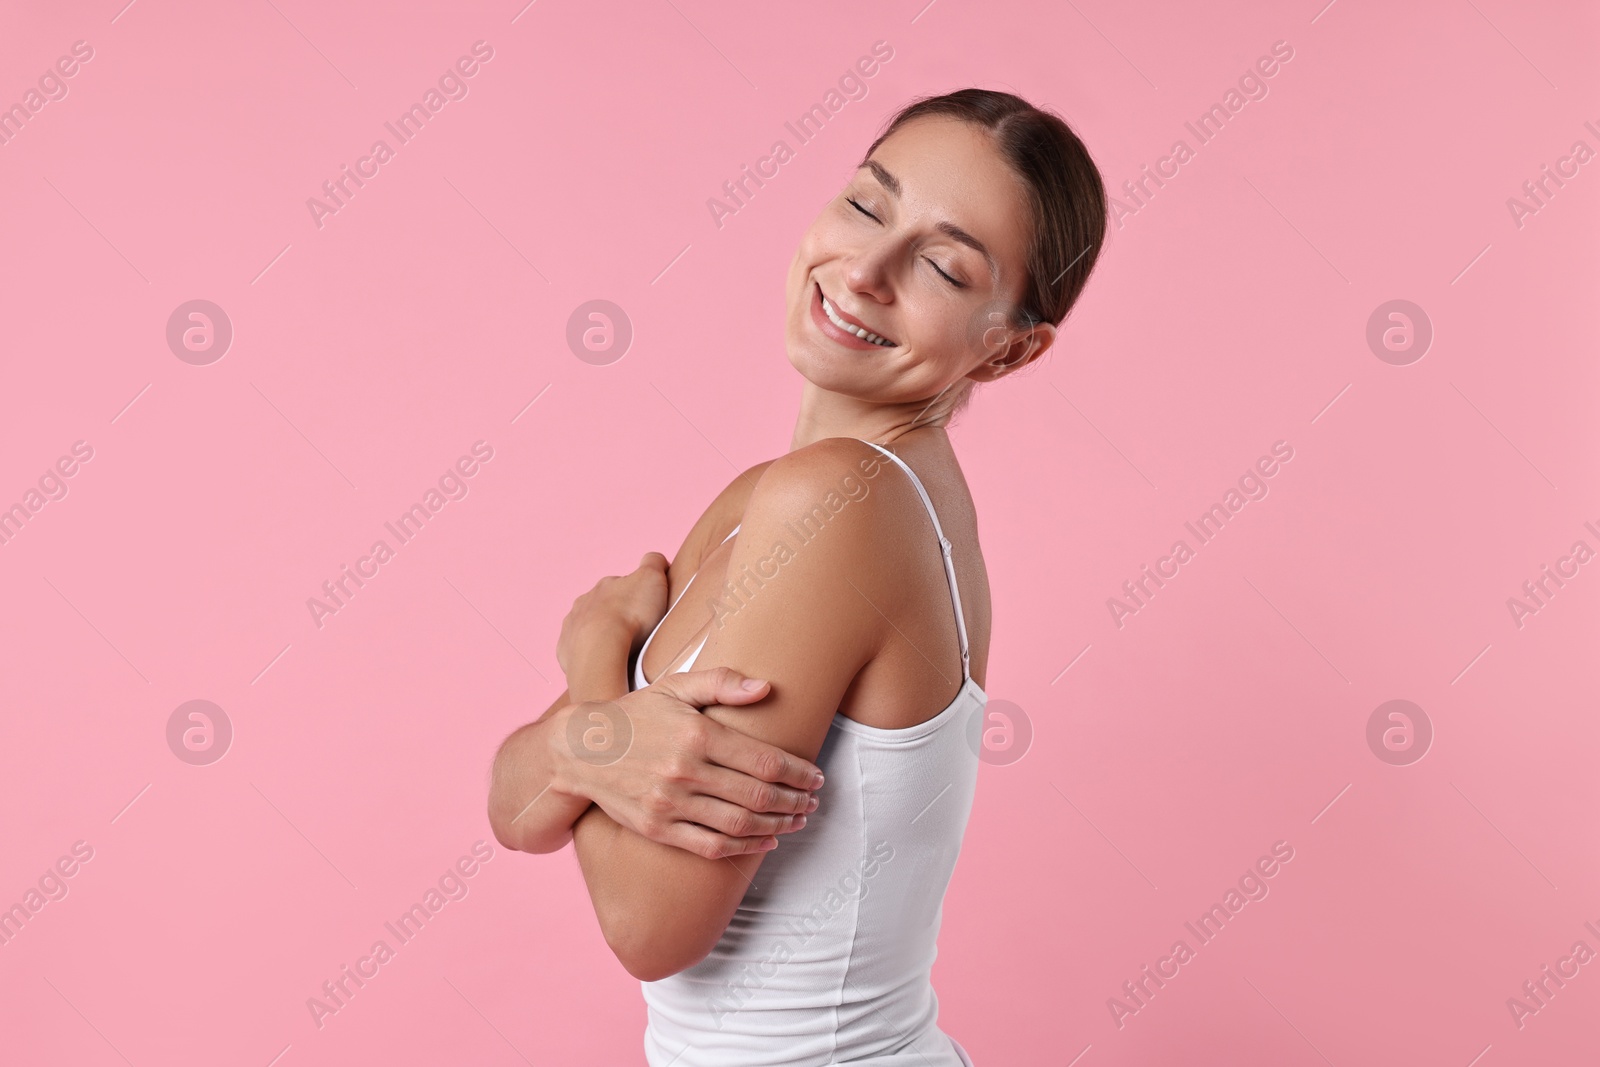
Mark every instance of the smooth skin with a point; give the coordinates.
(677, 765)
(856, 621)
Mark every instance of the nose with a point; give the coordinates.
(869, 268)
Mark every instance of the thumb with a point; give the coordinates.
(718, 685)
(653, 560)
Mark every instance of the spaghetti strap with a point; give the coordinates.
(944, 546)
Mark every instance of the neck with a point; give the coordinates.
(824, 414)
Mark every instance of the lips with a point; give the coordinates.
(843, 327)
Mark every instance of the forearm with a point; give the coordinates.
(532, 805)
(535, 796)
(650, 898)
(601, 672)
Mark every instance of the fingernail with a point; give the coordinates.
(752, 684)
(817, 778)
(812, 804)
(769, 844)
(799, 821)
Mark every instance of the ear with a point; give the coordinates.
(1015, 350)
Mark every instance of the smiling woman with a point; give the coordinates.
(837, 709)
(1025, 180)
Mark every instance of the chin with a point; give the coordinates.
(818, 368)
(834, 372)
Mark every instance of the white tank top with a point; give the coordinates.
(828, 958)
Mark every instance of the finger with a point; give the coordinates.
(653, 561)
(718, 685)
(753, 794)
(737, 821)
(741, 752)
(711, 845)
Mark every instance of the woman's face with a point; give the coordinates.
(925, 248)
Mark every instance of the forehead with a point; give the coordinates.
(951, 171)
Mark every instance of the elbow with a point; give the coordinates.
(653, 966)
(647, 968)
(506, 830)
(539, 846)
(503, 832)
(519, 839)
(651, 954)
(510, 818)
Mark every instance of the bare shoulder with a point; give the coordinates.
(880, 536)
(720, 516)
(796, 605)
(834, 463)
(828, 484)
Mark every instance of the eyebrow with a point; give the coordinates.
(949, 229)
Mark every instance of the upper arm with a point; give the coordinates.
(729, 504)
(801, 614)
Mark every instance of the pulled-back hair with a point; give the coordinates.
(1066, 195)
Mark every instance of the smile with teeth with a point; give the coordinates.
(865, 335)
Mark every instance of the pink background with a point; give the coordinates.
(1226, 314)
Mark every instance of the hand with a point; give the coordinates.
(628, 605)
(683, 779)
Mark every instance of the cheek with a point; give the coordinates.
(830, 234)
(820, 242)
(939, 331)
(804, 258)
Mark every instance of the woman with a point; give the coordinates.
(846, 615)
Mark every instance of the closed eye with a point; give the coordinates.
(959, 285)
(946, 277)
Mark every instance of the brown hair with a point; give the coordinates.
(1065, 193)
